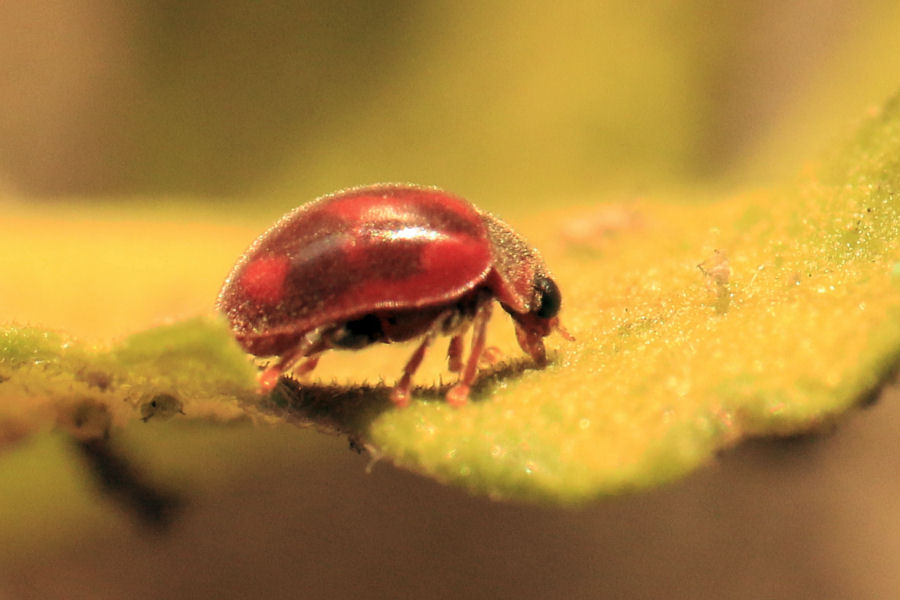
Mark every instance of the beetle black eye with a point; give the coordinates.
(549, 298)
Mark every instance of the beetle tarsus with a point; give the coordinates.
(268, 379)
(400, 396)
(458, 395)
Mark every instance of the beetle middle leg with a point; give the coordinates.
(457, 326)
(459, 393)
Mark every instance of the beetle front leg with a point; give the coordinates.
(532, 342)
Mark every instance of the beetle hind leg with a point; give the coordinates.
(270, 375)
(400, 392)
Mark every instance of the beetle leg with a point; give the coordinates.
(454, 354)
(457, 326)
(400, 393)
(269, 377)
(532, 343)
(459, 393)
(306, 366)
(490, 357)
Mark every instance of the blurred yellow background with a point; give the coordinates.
(498, 101)
(143, 145)
(158, 139)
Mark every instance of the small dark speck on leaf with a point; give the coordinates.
(717, 272)
(163, 406)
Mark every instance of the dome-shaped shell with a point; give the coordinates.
(352, 253)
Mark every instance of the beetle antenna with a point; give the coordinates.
(563, 331)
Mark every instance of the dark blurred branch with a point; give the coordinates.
(152, 505)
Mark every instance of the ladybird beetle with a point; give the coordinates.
(387, 263)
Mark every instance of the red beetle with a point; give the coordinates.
(387, 263)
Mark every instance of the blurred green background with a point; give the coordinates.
(240, 106)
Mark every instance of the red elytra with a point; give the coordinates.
(387, 263)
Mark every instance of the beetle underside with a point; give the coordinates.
(473, 310)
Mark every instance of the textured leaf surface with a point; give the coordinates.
(698, 323)
(47, 380)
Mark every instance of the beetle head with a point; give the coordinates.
(524, 288)
(541, 319)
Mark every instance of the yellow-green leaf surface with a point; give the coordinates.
(698, 321)
(48, 379)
